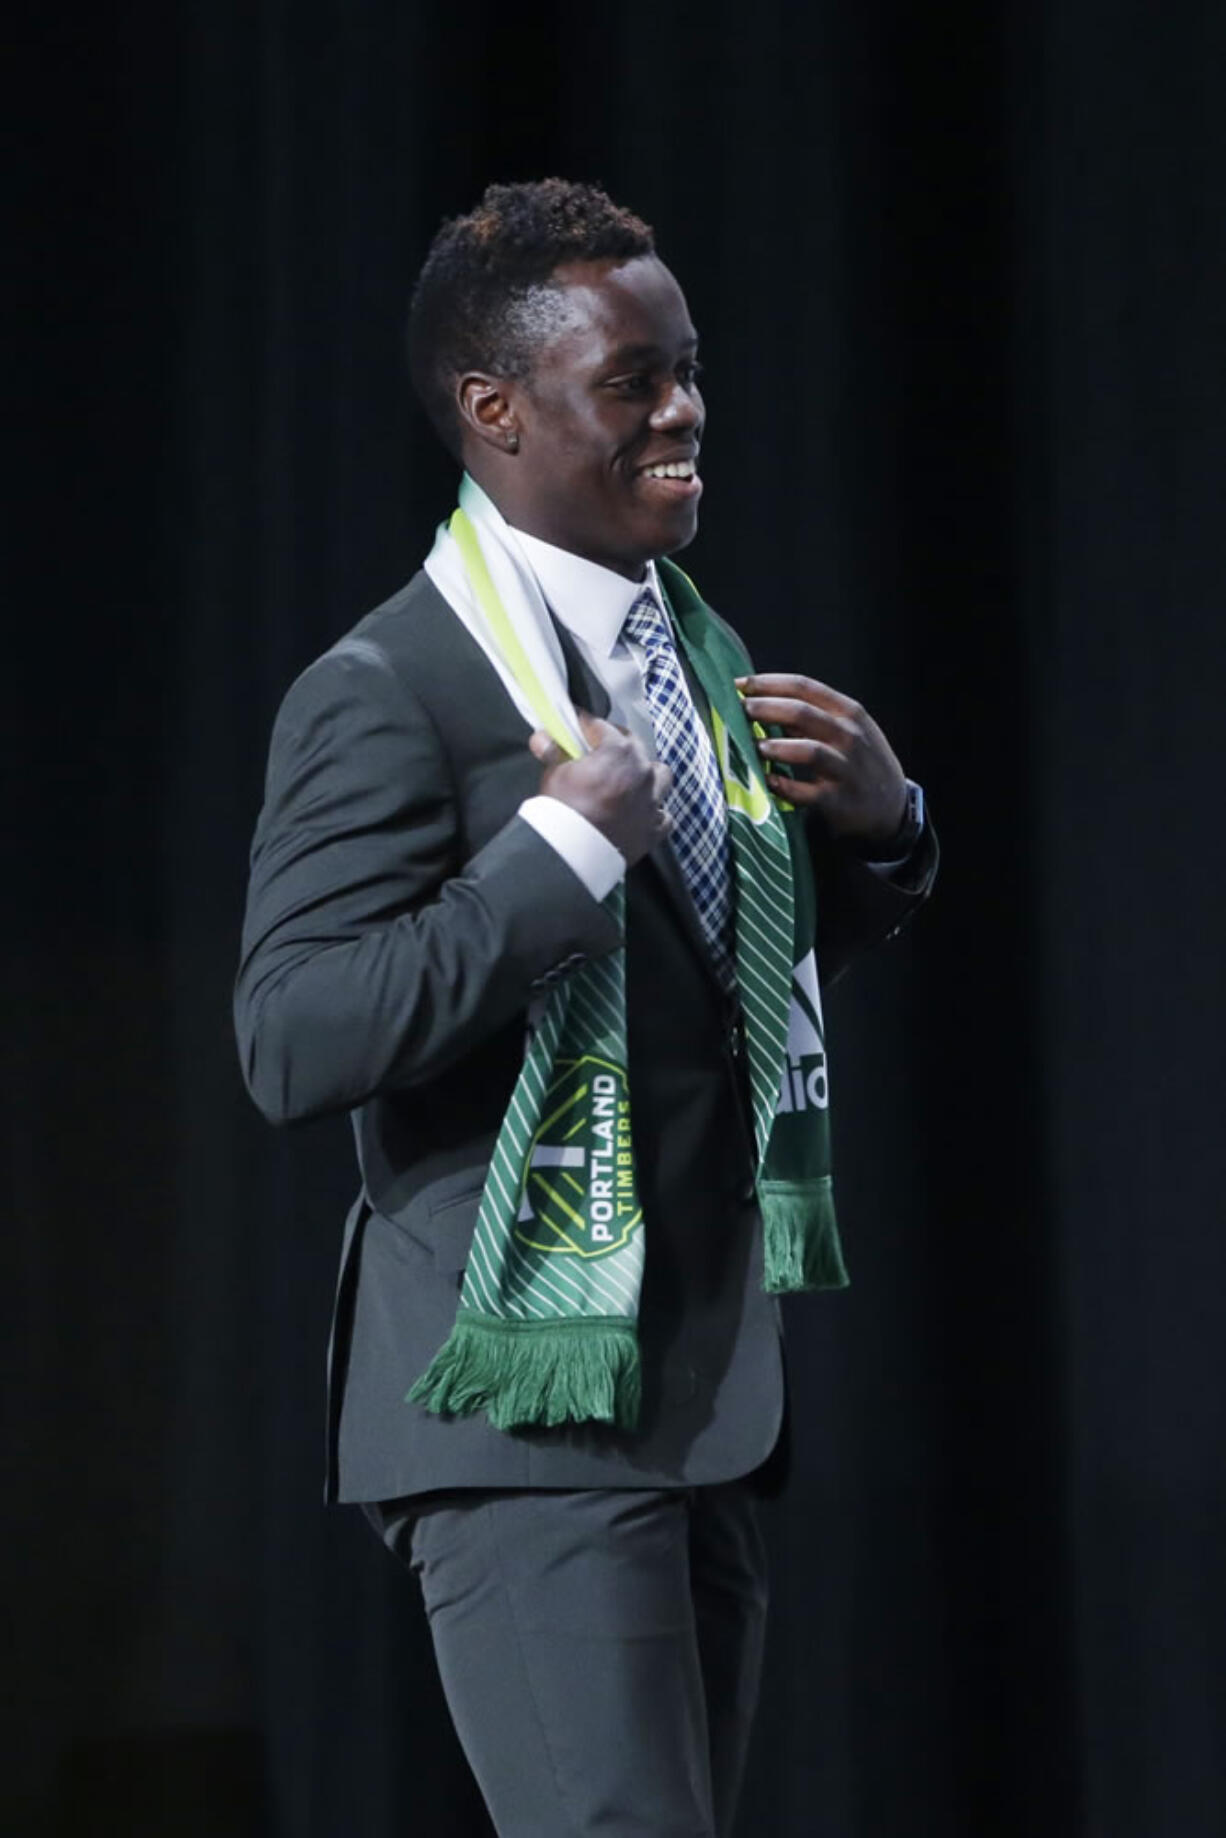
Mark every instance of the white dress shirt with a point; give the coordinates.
(592, 603)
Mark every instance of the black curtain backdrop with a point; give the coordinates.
(961, 274)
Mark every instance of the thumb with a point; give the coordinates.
(547, 750)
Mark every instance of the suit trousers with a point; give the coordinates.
(600, 1651)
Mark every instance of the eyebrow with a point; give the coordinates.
(643, 354)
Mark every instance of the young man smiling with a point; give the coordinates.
(533, 899)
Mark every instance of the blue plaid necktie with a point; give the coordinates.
(696, 804)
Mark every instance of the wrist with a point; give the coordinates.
(583, 846)
(897, 847)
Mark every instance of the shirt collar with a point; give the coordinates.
(591, 601)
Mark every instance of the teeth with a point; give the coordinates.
(675, 469)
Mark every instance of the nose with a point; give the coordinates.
(680, 408)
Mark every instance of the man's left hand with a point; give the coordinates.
(846, 768)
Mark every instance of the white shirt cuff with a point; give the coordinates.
(598, 863)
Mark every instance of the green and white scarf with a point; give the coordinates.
(545, 1332)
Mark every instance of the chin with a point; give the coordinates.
(678, 535)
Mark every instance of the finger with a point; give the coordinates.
(542, 747)
(811, 793)
(798, 688)
(808, 793)
(806, 717)
(661, 783)
(595, 730)
(814, 755)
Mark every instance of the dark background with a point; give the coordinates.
(961, 274)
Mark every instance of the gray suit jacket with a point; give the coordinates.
(400, 918)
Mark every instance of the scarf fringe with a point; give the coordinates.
(801, 1247)
(539, 1372)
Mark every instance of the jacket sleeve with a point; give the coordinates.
(859, 906)
(373, 955)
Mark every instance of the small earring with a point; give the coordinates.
(512, 443)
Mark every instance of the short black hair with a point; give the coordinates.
(482, 298)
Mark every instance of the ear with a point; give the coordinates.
(487, 411)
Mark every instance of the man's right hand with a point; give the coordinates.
(614, 785)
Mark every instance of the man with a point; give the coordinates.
(531, 898)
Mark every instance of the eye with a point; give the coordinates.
(689, 372)
(636, 384)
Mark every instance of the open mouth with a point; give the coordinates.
(675, 478)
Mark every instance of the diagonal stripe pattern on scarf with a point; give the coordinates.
(510, 1275)
(696, 803)
(546, 1328)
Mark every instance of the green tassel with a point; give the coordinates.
(800, 1236)
(538, 1372)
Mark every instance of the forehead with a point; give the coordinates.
(611, 308)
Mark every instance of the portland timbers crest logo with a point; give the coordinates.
(579, 1196)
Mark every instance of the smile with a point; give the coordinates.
(672, 469)
(673, 479)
